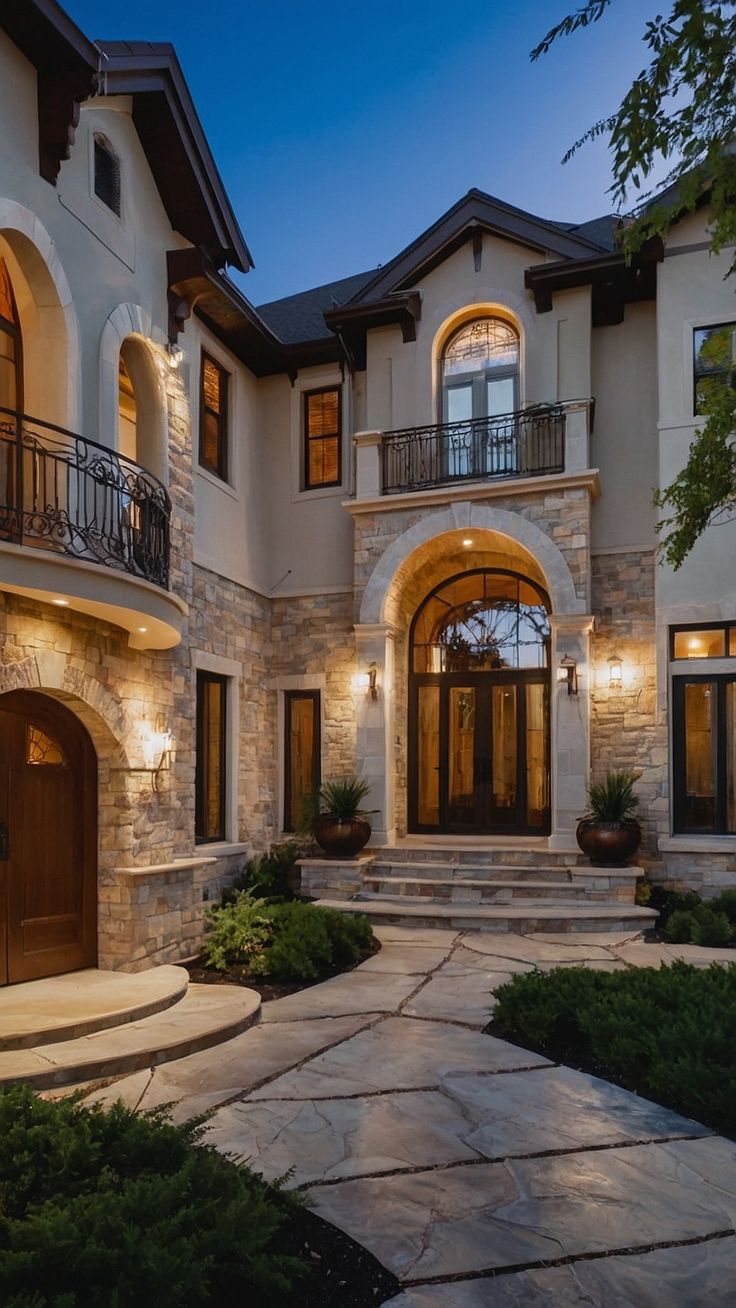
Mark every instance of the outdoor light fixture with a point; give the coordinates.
(615, 672)
(467, 542)
(368, 681)
(158, 750)
(174, 354)
(567, 674)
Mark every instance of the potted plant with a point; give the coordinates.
(336, 819)
(609, 833)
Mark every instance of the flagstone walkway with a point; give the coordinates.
(481, 1174)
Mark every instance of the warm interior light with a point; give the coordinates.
(615, 672)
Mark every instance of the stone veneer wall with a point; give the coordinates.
(627, 730)
(314, 635)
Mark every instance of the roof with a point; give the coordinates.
(300, 317)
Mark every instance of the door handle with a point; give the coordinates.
(4, 843)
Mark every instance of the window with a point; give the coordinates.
(211, 765)
(704, 754)
(11, 387)
(480, 371)
(322, 438)
(106, 174)
(302, 756)
(715, 640)
(714, 362)
(213, 417)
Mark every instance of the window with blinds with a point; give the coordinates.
(107, 174)
(322, 438)
(213, 417)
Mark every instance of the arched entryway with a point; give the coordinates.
(48, 839)
(478, 722)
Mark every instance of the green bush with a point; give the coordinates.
(266, 874)
(668, 1033)
(725, 903)
(668, 902)
(700, 925)
(123, 1209)
(295, 941)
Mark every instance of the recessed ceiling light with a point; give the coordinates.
(63, 604)
(142, 629)
(467, 542)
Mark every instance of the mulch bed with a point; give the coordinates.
(238, 975)
(343, 1273)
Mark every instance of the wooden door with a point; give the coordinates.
(302, 771)
(48, 840)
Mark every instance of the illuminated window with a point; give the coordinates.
(10, 345)
(714, 641)
(322, 438)
(213, 417)
(41, 750)
(211, 760)
(704, 754)
(714, 363)
(480, 371)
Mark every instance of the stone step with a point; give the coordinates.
(477, 871)
(523, 919)
(482, 854)
(67, 1007)
(467, 890)
(206, 1016)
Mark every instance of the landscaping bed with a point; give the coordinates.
(114, 1207)
(686, 918)
(666, 1033)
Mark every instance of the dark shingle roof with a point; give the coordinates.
(301, 317)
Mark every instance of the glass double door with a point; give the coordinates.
(479, 753)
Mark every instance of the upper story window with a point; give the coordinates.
(106, 174)
(480, 371)
(11, 388)
(322, 437)
(213, 401)
(716, 640)
(714, 361)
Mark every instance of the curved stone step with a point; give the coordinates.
(207, 1015)
(523, 919)
(457, 889)
(77, 1004)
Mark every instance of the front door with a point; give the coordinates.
(480, 747)
(48, 840)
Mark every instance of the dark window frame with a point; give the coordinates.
(220, 469)
(729, 373)
(112, 198)
(200, 802)
(316, 697)
(724, 625)
(306, 395)
(679, 809)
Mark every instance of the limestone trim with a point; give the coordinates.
(159, 869)
(16, 219)
(588, 480)
(697, 844)
(131, 320)
(461, 517)
(52, 673)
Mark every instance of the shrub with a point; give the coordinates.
(725, 903)
(668, 902)
(266, 874)
(295, 941)
(119, 1208)
(669, 1033)
(699, 925)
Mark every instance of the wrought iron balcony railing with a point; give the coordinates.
(530, 443)
(67, 494)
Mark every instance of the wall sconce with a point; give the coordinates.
(158, 750)
(174, 354)
(368, 681)
(567, 674)
(615, 672)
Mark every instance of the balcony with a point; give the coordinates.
(540, 441)
(97, 523)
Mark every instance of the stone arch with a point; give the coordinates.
(131, 326)
(95, 706)
(387, 575)
(48, 318)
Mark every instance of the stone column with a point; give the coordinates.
(375, 727)
(570, 729)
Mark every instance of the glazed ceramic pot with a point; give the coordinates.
(341, 838)
(608, 844)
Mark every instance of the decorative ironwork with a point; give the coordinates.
(530, 443)
(65, 493)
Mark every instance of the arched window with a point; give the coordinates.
(127, 411)
(482, 621)
(11, 388)
(480, 371)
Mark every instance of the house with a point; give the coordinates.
(401, 524)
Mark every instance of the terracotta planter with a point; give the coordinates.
(341, 838)
(608, 844)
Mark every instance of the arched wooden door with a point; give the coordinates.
(48, 839)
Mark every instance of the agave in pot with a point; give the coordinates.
(336, 819)
(609, 833)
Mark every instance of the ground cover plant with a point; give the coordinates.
(284, 941)
(667, 1033)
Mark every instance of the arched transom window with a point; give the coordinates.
(480, 371)
(482, 621)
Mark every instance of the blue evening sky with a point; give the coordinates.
(342, 130)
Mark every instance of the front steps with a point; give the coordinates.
(480, 887)
(92, 1025)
